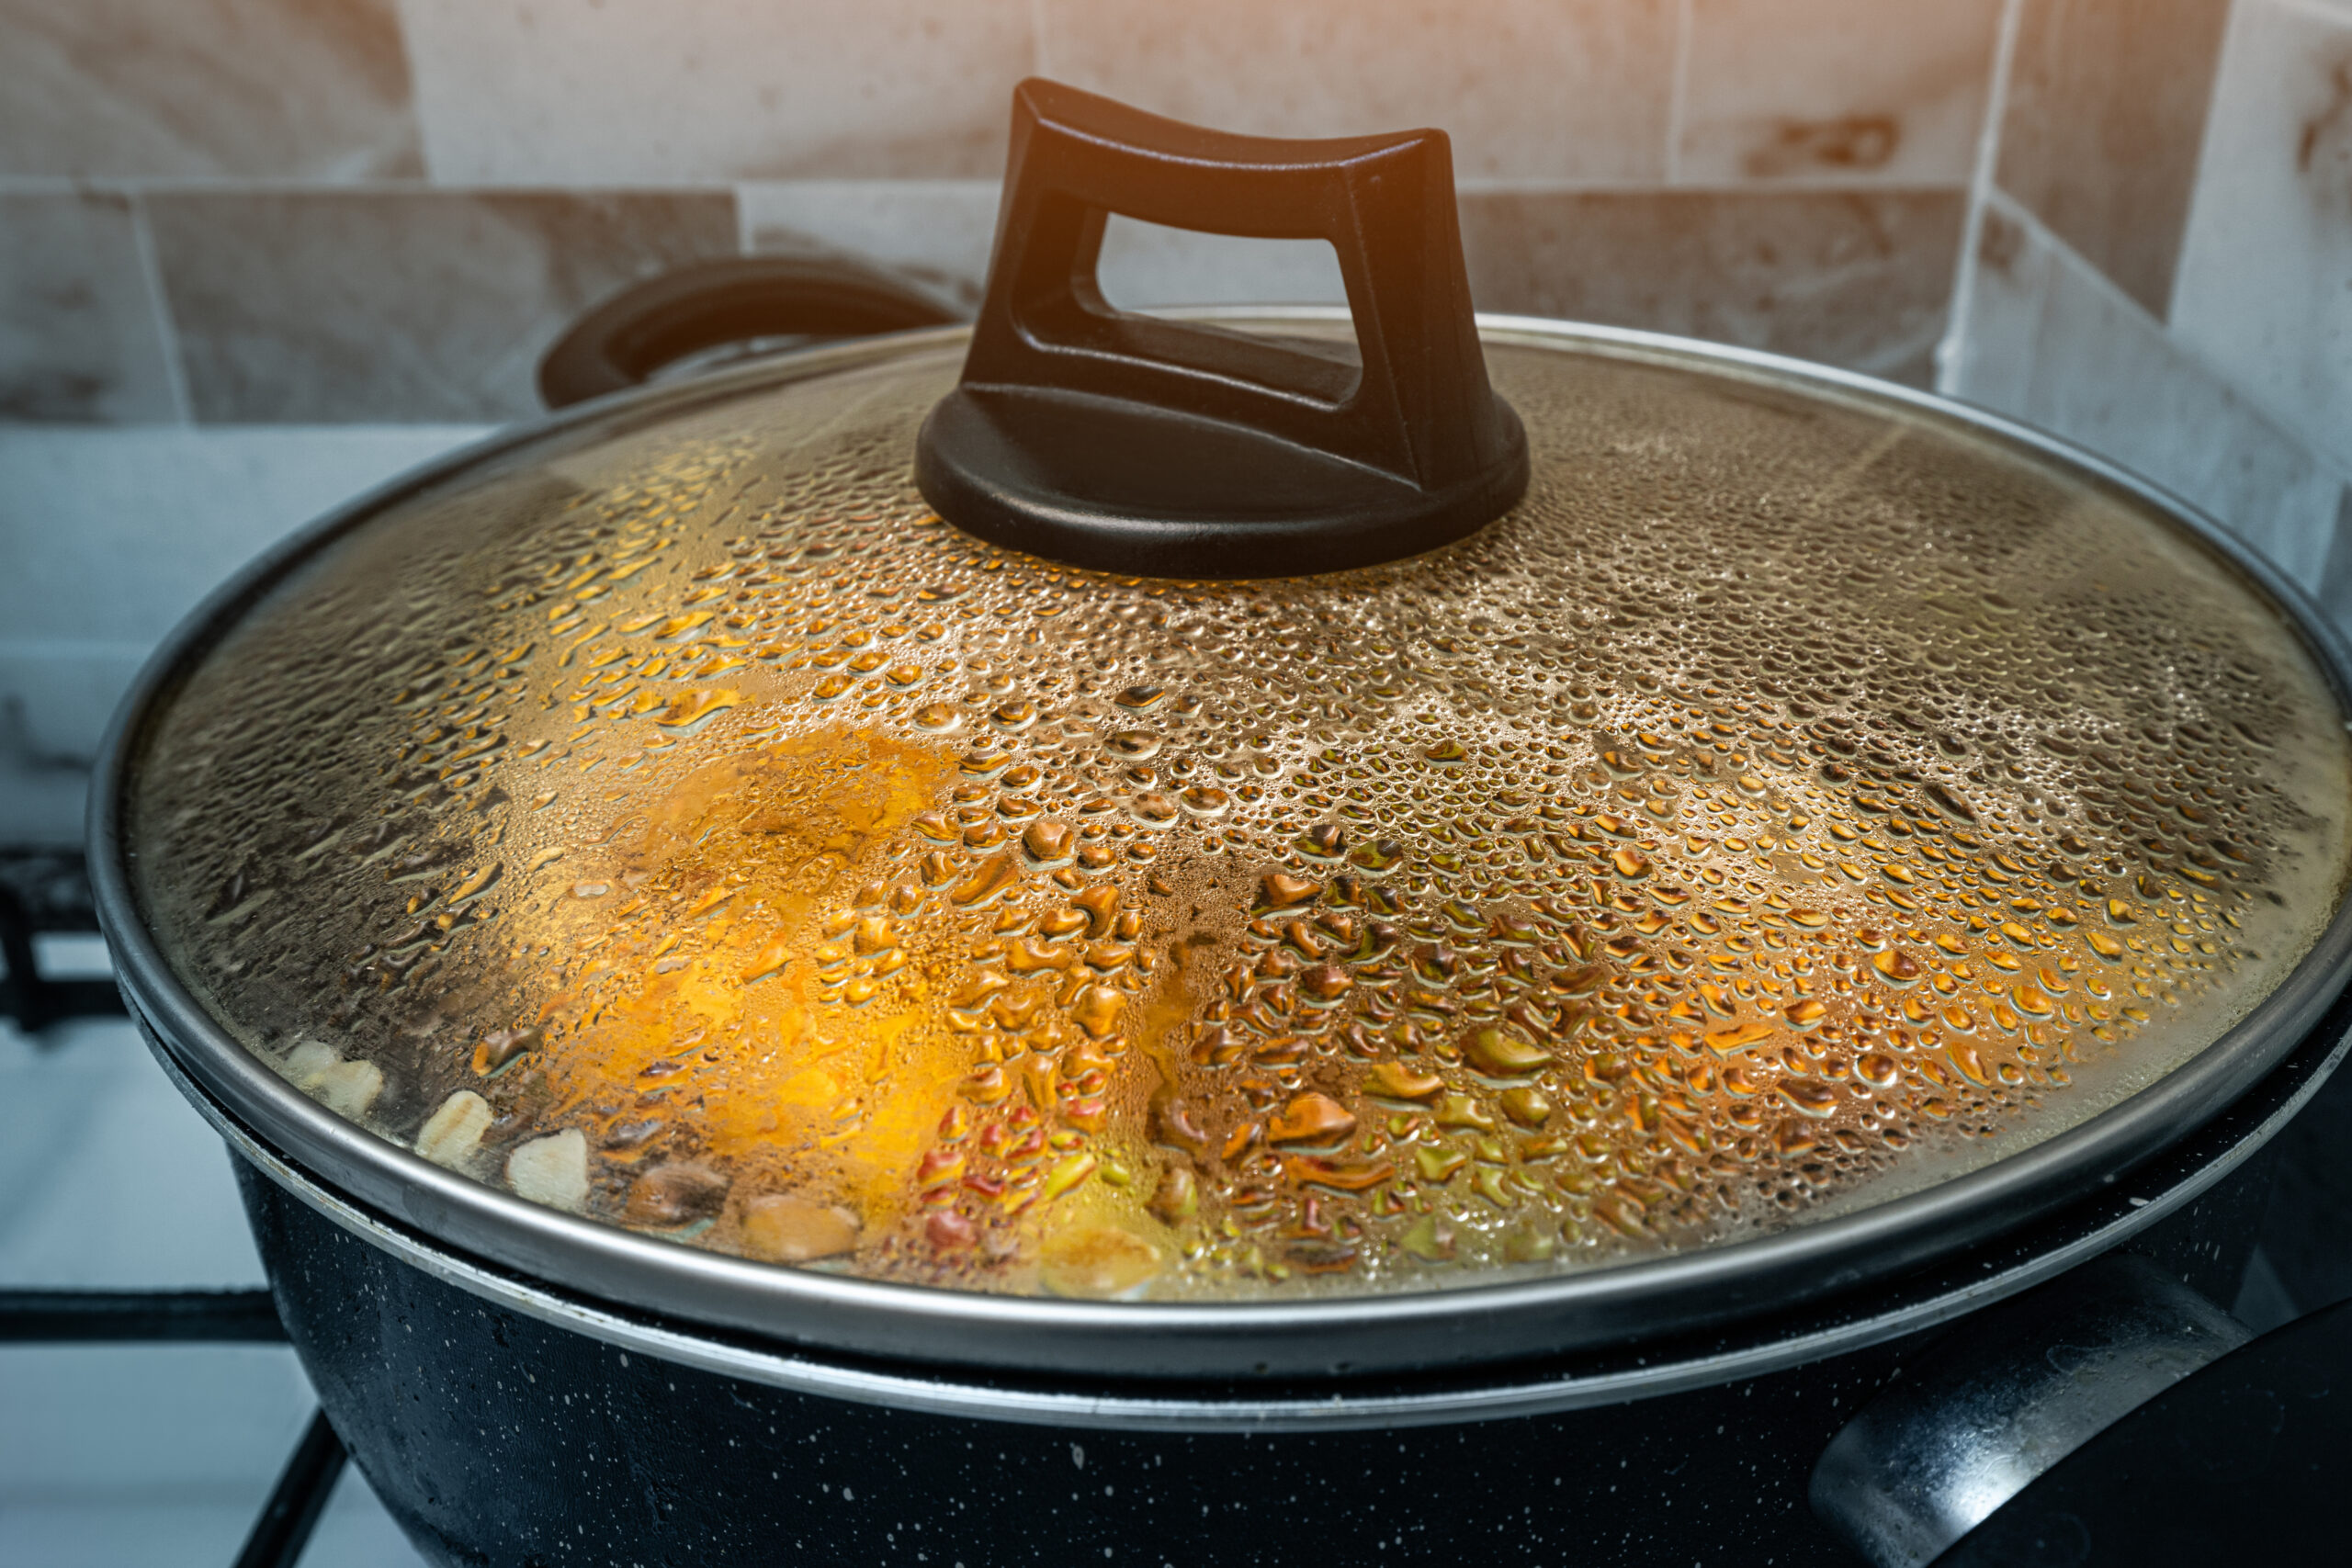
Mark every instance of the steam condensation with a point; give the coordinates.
(1793, 803)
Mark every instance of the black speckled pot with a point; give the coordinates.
(498, 1438)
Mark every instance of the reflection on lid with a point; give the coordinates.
(1790, 805)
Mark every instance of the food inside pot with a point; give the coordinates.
(1795, 801)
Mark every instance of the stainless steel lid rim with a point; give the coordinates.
(1668, 1293)
(1514, 1392)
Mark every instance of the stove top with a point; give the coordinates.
(155, 1415)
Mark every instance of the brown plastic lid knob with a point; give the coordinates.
(1132, 444)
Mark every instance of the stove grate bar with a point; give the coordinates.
(43, 893)
(292, 1512)
(89, 1317)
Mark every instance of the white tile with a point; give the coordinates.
(72, 955)
(940, 232)
(80, 338)
(937, 233)
(2049, 341)
(160, 1456)
(108, 1179)
(1143, 264)
(1999, 321)
(108, 536)
(42, 799)
(2102, 110)
(65, 1529)
(1528, 89)
(138, 1456)
(56, 695)
(2333, 591)
(356, 1532)
(2264, 290)
(580, 91)
(172, 1524)
(401, 304)
(1860, 279)
(268, 88)
(124, 1424)
(1844, 90)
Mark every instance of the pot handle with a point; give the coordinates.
(706, 304)
(2006, 1397)
(1167, 448)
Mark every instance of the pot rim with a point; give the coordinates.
(1449, 1327)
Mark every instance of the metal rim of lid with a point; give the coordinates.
(1343, 1336)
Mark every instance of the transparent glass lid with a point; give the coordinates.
(1795, 801)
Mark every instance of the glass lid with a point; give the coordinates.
(1798, 798)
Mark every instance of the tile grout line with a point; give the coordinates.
(1677, 91)
(68, 648)
(159, 309)
(742, 220)
(401, 27)
(1039, 63)
(2198, 182)
(1795, 184)
(1951, 350)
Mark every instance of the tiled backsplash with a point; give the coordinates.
(358, 223)
(238, 211)
(357, 306)
(2162, 264)
(108, 536)
(2104, 108)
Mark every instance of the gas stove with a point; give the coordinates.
(156, 1416)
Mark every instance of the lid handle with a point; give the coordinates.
(1134, 444)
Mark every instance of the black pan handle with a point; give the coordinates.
(1134, 444)
(730, 300)
(2009, 1392)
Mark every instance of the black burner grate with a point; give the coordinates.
(185, 1317)
(44, 892)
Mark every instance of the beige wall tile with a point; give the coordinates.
(2106, 104)
(939, 234)
(80, 339)
(579, 91)
(2050, 342)
(1855, 278)
(1840, 90)
(2264, 286)
(1528, 89)
(122, 89)
(317, 307)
